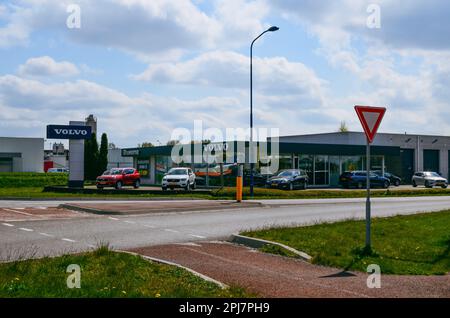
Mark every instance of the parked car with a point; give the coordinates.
(258, 178)
(288, 179)
(393, 179)
(429, 179)
(119, 177)
(58, 170)
(179, 178)
(357, 179)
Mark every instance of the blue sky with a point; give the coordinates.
(144, 68)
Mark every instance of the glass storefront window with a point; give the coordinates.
(351, 163)
(305, 163)
(162, 165)
(334, 170)
(321, 170)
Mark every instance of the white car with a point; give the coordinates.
(179, 178)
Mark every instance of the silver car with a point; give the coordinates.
(429, 179)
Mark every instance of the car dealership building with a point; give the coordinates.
(323, 156)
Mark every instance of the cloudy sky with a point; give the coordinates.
(145, 67)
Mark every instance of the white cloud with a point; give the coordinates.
(228, 69)
(46, 66)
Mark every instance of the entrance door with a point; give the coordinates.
(321, 170)
(407, 162)
(431, 160)
(334, 170)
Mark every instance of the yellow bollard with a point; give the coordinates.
(238, 189)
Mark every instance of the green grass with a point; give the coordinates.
(263, 193)
(415, 244)
(105, 274)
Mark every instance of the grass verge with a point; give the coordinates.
(105, 273)
(35, 192)
(415, 244)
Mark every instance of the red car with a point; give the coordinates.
(119, 177)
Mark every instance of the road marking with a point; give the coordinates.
(197, 236)
(130, 222)
(7, 224)
(149, 226)
(19, 208)
(114, 219)
(170, 230)
(45, 234)
(41, 208)
(68, 240)
(26, 229)
(24, 213)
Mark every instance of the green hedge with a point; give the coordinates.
(32, 179)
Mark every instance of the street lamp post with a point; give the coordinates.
(252, 164)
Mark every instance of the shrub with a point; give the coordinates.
(31, 179)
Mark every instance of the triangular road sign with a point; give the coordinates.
(370, 118)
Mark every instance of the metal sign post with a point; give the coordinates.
(370, 118)
(368, 242)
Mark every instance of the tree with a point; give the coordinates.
(90, 158)
(343, 127)
(145, 144)
(102, 162)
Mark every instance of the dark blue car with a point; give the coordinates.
(357, 179)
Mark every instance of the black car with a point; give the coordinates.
(393, 179)
(288, 179)
(357, 179)
(258, 178)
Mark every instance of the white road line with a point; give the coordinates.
(68, 240)
(170, 230)
(26, 229)
(197, 236)
(149, 226)
(130, 222)
(7, 224)
(24, 213)
(114, 219)
(46, 234)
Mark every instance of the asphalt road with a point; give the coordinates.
(25, 239)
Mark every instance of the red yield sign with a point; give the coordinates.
(370, 118)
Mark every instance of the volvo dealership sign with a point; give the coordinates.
(68, 132)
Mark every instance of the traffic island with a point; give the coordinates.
(124, 208)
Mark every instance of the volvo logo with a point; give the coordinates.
(68, 132)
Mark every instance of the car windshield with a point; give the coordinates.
(432, 174)
(106, 173)
(116, 171)
(286, 173)
(177, 171)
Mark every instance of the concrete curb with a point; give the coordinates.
(258, 243)
(74, 207)
(161, 261)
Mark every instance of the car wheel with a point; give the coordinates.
(137, 184)
(305, 186)
(386, 185)
(397, 183)
(99, 187)
(414, 184)
(360, 185)
(444, 186)
(291, 186)
(164, 188)
(187, 187)
(194, 186)
(119, 185)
